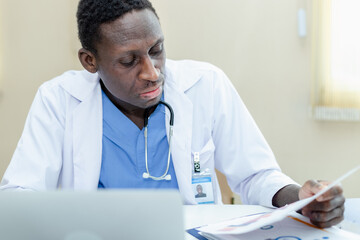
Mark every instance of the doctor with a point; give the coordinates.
(103, 127)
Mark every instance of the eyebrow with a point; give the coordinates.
(160, 40)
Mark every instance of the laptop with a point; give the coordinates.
(98, 215)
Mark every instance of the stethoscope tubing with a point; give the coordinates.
(147, 174)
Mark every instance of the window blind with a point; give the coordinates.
(336, 60)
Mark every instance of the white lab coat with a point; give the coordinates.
(61, 145)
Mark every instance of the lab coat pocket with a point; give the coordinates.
(205, 154)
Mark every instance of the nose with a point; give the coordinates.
(149, 71)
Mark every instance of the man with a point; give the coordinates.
(199, 191)
(103, 127)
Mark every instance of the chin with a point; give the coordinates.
(153, 102)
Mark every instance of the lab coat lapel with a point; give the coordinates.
(87, 139)
(181, 141)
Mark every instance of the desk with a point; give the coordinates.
(198, 215)
(352, 215)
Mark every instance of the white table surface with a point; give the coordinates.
(198, 215)
(352, 209)
(352, 215)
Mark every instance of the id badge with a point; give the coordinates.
(202, 184)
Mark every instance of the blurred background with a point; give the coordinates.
(268, 48)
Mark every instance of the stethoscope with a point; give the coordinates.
(147, 174)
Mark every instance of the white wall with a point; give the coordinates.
(254, 41)
(39, 42)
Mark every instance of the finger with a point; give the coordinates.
(331, 193)
(310, 188)
(324, 182)
(327, 224)
(326, 206)
(324, 216)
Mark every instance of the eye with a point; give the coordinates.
(128, 61)
(156, 50)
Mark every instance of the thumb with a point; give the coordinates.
(310, 188)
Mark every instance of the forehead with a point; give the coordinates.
(132, 27)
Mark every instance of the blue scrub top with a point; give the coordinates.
(123, 151)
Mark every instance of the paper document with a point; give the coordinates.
(254, 222)
(292, 227)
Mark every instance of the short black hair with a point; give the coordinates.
(92, 13)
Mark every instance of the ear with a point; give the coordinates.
(88, 60)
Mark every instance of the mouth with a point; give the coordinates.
(152, 93)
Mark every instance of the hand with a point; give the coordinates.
(328, 209)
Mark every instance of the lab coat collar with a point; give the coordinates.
(90, 80)
(185, 77)
(85, 85)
